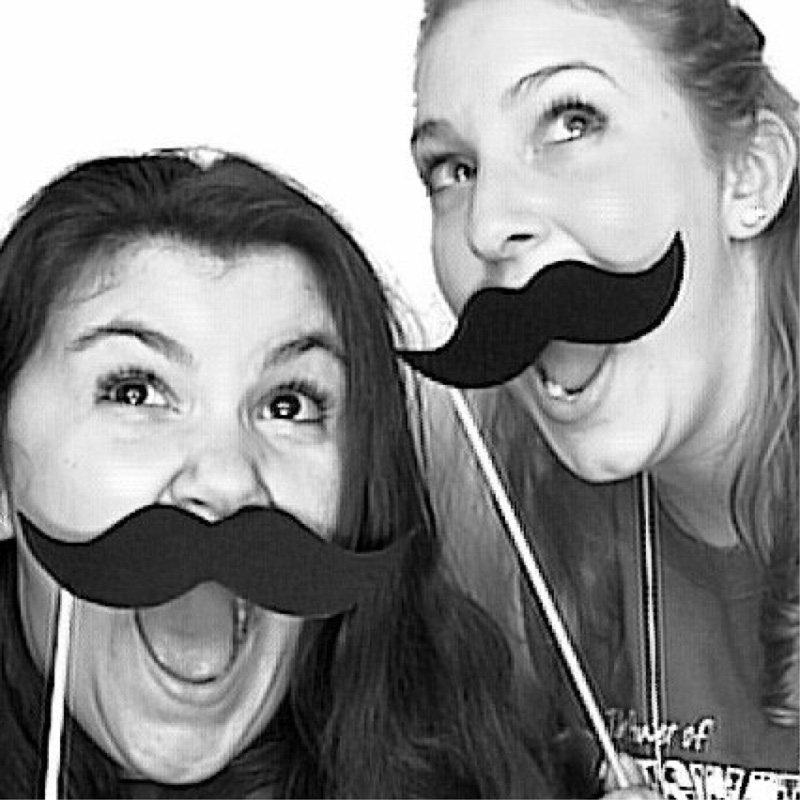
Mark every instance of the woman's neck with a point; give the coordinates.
(695, 483)
(699, 503)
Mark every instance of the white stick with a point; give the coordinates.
(534, 573)
(58, 698)
(652, 611)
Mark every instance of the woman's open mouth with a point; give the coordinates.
(566, 370)
(196, 638)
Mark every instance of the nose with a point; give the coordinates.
(506, 215)
(218, 476)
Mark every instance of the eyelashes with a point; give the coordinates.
(301, 401)
(443, 173)
(566, 119)
(135, 387)
(298, 400)
(576, 118)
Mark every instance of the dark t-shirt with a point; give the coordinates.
(717, 740)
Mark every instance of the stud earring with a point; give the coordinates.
(753, 216)
(6, 525)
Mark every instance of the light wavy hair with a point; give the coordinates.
(714, 55)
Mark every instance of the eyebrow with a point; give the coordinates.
(165, 345)
(304, 343)
(174, 351)
(535, 79)
(429, 128)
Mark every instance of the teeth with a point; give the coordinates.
(242, 620)
(558, 392)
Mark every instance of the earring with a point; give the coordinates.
(6, 524)
(753, 216)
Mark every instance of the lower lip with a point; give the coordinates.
(578, 407)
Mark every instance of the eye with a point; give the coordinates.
(443, 172)
(571, 119)
(299, 402)
(133, 387)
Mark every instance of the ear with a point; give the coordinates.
(757, 179)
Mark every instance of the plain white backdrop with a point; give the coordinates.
(320, 89)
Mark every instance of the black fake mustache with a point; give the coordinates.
(501, 332)
(265, 556)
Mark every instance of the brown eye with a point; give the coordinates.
(302, 404)
(132, 394)
(298, 404)
(446, 172)
(285, 406)
(576, 124)
(133, 388)
(571, 120)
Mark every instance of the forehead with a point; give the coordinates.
(483, 47)
(255, 294)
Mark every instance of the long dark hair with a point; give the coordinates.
(411, 694)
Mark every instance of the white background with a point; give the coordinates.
(320, 89)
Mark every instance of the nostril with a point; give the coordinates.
(217, 479)
(502, 223)
(495, 244)
(203, 510)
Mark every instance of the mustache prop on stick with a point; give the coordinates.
(263, 555)
(501, 331)
(161, 552)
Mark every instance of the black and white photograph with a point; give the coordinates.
(400, 399)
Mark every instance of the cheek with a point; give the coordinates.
(87, 481)
(326, 501)
(308, 485)
(626, 212)
(38, 596)
(458, 272)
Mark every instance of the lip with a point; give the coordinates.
(182, 685)
(580, 405)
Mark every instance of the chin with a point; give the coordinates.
(181, 757)
(182, 772)
(156, 734)
(603, 461)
